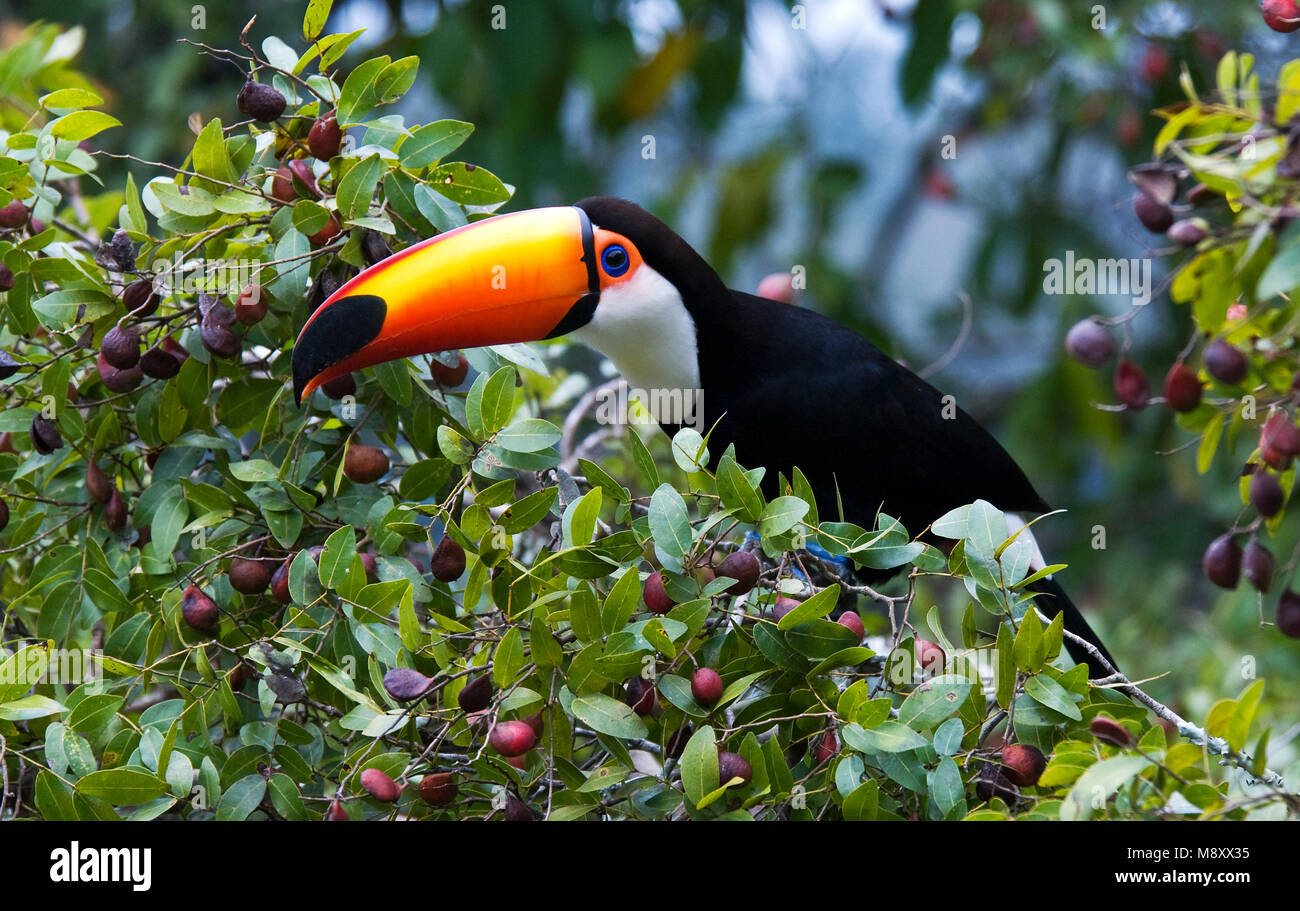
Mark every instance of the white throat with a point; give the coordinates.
(643, 326)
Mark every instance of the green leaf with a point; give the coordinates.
(59, 309)
(394, 79)
(309, 217)
(211, 160)
(1046, 691)
(440, 211)
(457, 449)
(71, 98)
(820, 639)
(253, 471)
(423, 479)
(29, 707)
(781, 515)
(670, 523)
(887, 737)
(123, 786)
(313, 21)
(579, 521)
(644, 460)
(861, 804)
(1209, 443)
(358, 94)
(607, 715)
(93, 713)
(357, 187)
(241, 798)
(527, 512)
(54, 799)
(169, 519)
(336, 558)
(81, 125)
(1006, 667)
(933, 701)
(688, 450)
(699, 765)
(1243, 715)
(845, 657)
(736, 491)
(816, 607)
(1030, 650)
(530, 435)
(432, 142)
(508, 658)
(1100, 781)
(986, 527)
(948, 737)
(621, 602)
(946, 787)
(338, 46)
(285, 798)
(490, 402)
(468, 184)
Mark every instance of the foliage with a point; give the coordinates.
(1226, 171)
(286, 706)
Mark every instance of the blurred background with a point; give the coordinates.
(905, 154)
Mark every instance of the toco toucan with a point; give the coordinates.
(787, 386)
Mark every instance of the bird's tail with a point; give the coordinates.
(1055, 601)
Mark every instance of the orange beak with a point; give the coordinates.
(512, 278)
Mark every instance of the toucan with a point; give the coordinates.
(787, 386)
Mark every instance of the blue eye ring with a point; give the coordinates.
(614, 260)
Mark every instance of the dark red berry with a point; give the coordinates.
(438, 789)
(1182, 388)
(1188, 232)
(121, 347)
(249, 577)
(448, 563)
(476, 695)
(260, 102)
(1155, 215)
(1089, 343)
(1109, 731)
(641, 696)
(1131, 386)
(657, 600)
(1281, 15)
(325, 137)
(199, 611)
(706, 686)
(512, 738)
(1257, 566)
(450, 377)
(1023, 764)
(733, 765)
(1222, 562)
(1266, 493)
(742, 566)
(1288, 614)
(380, 785)
(1225, 363)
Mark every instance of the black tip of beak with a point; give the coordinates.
(336, 331)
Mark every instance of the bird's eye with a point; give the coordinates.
(614, 260)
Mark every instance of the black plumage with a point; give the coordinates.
(790, 387)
